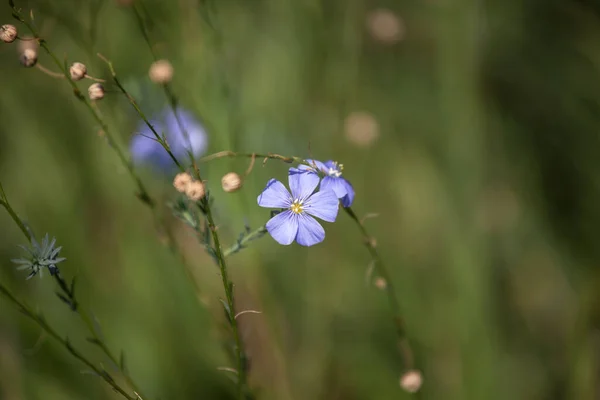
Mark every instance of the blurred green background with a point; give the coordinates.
(470, 127)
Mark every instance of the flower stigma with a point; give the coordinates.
(296, 207)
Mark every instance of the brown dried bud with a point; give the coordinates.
(96, 91)
(231, 182)
(28, 58)
(8, 33)
(195, 190)
(161, 72)
(181, 181)
(78, 71)
(411, 381)
(385, 26)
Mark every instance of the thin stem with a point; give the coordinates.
(233, 154)
(228, 286)
(65, 342)
(100, 342)
(257, 233)
(5, 203)
(137, 108)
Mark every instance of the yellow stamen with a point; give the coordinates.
(296, 207)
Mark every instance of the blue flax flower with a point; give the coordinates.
(146, 150)
(333, 179)
(296, 223)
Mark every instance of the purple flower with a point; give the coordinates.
(146, 150)
(296, 221)
(333, 179)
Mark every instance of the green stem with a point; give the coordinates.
(228, 286)
(137, 108)
(90, 326)
(220, 256)
(255, 234)
(84, 316)
(5, 203)
(389, 289)
(65, 342)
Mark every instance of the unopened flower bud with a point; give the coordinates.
(8, 33)
(231, 182)
(181, 181)
(96, 91)
(27, 42)
(28, 58)
(411, 381)
(78, 71)
(195, 190)
(161, 72)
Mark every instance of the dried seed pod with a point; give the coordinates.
(161, 72)
(181, 181)
(195, 190)
(231, 182)
(96, 91)
(78, 71)
(8, 33)
(29, 58)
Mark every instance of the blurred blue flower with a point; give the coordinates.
(296, 223)
(333, 179)
(146, 150)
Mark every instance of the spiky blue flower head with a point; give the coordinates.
(41, 255)
(296, 221)
(146, 150)
(332, 179)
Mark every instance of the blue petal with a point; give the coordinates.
(348, 199)
(310, 232)
(314, 164)
(341, 187)
(283, 227)
(302, 183)
(198, 140)
(331, 165)
(323, 204)
(275, 195)
(145, 150)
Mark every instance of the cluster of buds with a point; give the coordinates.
(28, 47)
(184, 183)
